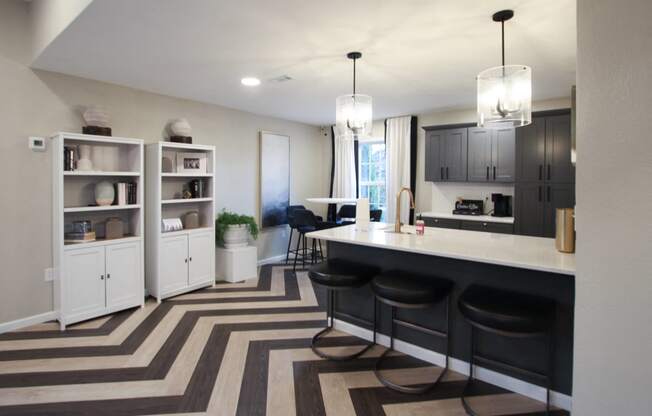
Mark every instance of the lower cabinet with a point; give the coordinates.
(101, 279)
(186, 261)
(490, 227)
(536, 204)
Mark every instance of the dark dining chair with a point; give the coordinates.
(290, 214)
(375, 215)
(346, 215)
(306, 221)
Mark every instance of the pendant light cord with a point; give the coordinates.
(502, 25)
(354, 75)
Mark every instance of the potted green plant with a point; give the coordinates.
(233, 230)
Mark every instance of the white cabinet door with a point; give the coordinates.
(83, 280)
(174, 263)
(201, 251)
(124, 283)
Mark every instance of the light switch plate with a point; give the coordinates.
(49, 274)
(37, 144)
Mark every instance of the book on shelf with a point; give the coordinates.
(126, 193)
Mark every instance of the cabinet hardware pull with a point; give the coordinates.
(540, 193)
(548, 194)
(549, 174)
(101, 277)
(191, 259)
(108, 275)
(487, 172)
(540, 172)
(442, 172)
(484, 224)
(447, 177)
(186, 260)
(494, 173)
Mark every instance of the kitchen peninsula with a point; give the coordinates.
(528, 265)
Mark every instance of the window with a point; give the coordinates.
(371, 159)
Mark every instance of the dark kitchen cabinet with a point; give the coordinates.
(559, 168)
(491, 155)
(490, 227)
(529, 209)
(442, 222)
(543, 150)
(536, 204)
(557, 195)
(445, 158)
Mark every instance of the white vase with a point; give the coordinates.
(236, 236)
(180, 127)
(84, 162)
(104, 193)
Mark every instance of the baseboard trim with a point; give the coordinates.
(30, 320)
(560, 400)
(274, 259)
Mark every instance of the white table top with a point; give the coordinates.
(483, 218)
(533, 253)
(332, 200)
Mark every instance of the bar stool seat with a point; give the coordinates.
(509, 314)
(402, 290)
(336, 275)
(405, 291)
(497, 309)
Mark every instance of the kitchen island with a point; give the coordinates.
(529, 265)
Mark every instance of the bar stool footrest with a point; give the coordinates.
(420, 389)
(316, 350)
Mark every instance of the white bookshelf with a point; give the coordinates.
(106, 275)
(178, 261)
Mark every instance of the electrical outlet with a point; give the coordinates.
(49, 274)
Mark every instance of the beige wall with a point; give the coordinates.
(40, 103)
(441, 197)
(613, 312)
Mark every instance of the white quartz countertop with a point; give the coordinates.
(533, 253)
(483, 218)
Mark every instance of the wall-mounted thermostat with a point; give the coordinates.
(37, 144)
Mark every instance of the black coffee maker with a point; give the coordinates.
(502, 205)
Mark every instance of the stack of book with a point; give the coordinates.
(79, 237)
(125, 193)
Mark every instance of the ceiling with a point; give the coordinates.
(418, 55)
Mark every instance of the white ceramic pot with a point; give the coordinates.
(84, 162)
(236, 236)
(180, 127)
(104, 193)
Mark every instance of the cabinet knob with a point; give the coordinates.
(108, 275)
(484, 224)
(436, 220)
(186, 260)
(101, 277)
(191, 259)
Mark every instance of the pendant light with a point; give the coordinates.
(353, 111)
(505, 92)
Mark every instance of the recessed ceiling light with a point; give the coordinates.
(250, 81)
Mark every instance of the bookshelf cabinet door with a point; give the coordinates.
(174, 263)
(123, 283)
(84, 283)
(201, 247)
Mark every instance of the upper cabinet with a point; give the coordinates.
(446, 155)
(544, 150)
(491, 155)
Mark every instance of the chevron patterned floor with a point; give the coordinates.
(235, 349)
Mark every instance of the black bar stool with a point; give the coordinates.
(400, 290)
(508, 314)
(336, 275)
(293, 226)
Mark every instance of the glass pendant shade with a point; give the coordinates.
(505, 96)
(353, 116)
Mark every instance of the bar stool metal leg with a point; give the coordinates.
(296, 253)
(329, 327)
(287, 254)
(413, 389)
(469, 381)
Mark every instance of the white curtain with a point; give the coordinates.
(344, 183)
(397, 154)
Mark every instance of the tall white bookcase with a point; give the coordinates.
(183, 260)
(102, 276)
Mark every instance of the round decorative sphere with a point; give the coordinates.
(104, 193)
(96, 115)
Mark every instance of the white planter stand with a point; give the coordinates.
(236, 264)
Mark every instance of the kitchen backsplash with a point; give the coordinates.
(444, 195)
